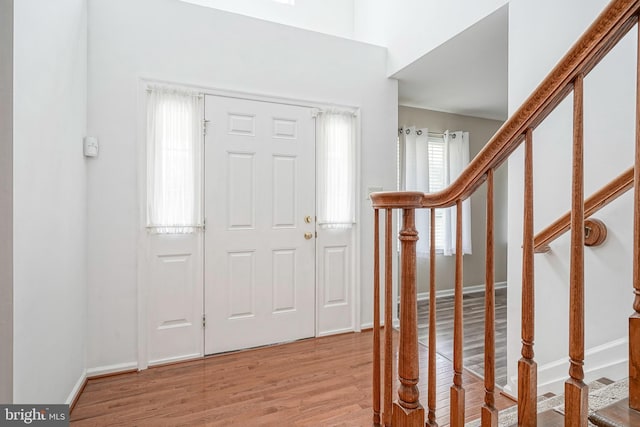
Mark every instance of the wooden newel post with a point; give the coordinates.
(407, 410)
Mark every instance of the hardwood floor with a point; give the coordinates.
(473, 351)
(316, 382)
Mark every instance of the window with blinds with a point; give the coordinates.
(436, 156)
(437, 159)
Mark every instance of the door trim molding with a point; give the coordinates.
(252, 96)
(142, 246)
(143, 250)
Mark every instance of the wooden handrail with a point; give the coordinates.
(610, 26)
(601, 198)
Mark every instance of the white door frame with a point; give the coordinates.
(142, 247)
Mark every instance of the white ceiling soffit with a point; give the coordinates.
(466, 75)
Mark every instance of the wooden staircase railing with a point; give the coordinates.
(567, 77)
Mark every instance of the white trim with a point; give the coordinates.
(606, 360)
(241, 94)
(335, 332)
(423, 296)
(111, 369)
(368, 325)
(77, 388)
(142, 273)
(183, 358)
(356, 233)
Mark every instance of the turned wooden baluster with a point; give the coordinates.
(489, 413)
(576, 391)
(431, 395)
(457, 391)
(388, 321)
(527, 367)
(634, 319)
(407, 410)
(376, 317)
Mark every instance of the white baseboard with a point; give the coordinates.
(607, 360)
(509, 390)
(111, 369)
(77, 388)
(182, 358)
(338, 331)
(369, 325)
(422, 296)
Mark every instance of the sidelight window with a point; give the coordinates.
(336, 169)
(174, 160)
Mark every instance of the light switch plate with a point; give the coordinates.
(90, 146)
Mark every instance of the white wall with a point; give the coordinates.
(537, 40)
(49, 199)
(179, 42)
(411, 28)
(333, 17)
(6, 201)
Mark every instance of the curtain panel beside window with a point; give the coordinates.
(429, 163)
(336, 151)
(457, 155)
(174, 160)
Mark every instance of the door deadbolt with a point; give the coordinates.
(307, 219)
(308, 235)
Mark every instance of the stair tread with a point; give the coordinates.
(601, 393)
(549, 418)
(616, 415)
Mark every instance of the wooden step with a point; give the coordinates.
(616, 415)
(548, 418)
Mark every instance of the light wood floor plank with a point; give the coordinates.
(473, 349)
(317, 382)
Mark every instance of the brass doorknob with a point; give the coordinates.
(308, 235)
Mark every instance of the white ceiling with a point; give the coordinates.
(466, 75)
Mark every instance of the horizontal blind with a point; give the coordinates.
(436, 148)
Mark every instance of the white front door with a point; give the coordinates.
(260, 213)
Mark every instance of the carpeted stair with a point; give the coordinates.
(602, 394)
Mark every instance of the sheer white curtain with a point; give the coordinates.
(174, 160)
(414, 146)
(336, 131)
(457, 158)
